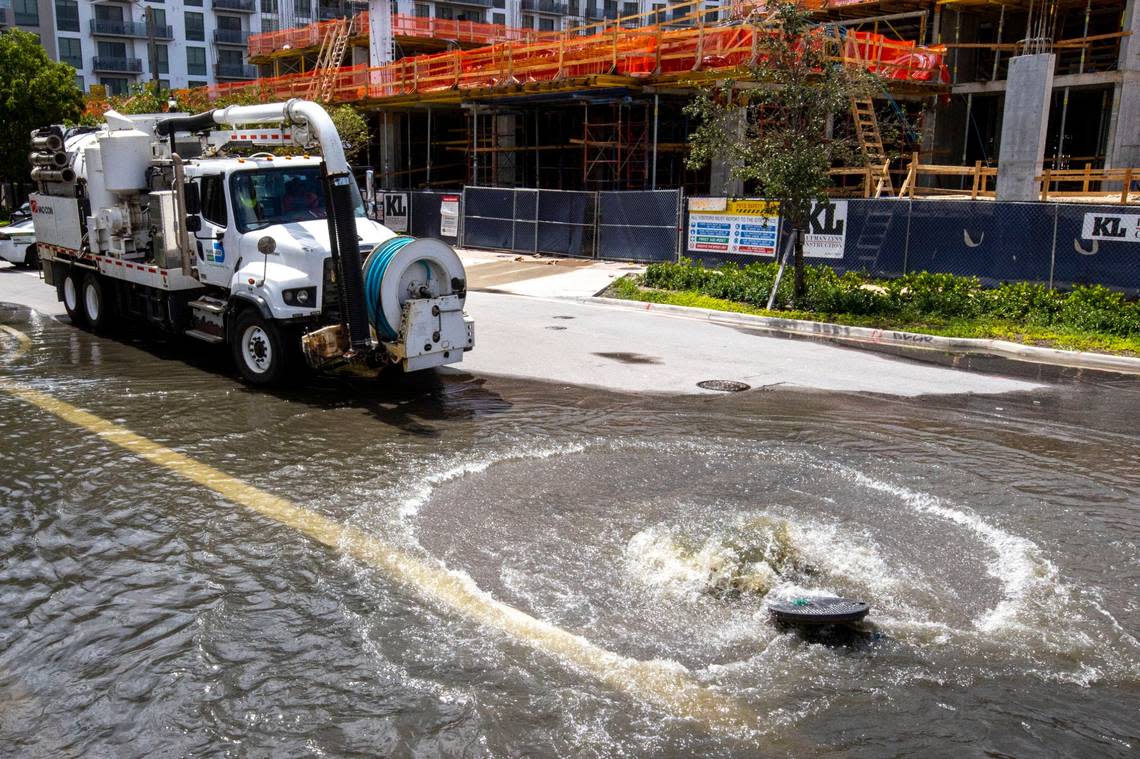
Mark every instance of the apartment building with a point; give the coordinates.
(189, 43)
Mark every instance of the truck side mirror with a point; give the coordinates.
(193, 199)
(193, 223)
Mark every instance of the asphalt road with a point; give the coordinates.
(569, 342)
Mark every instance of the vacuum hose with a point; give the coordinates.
(407, 268)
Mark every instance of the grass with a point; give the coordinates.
(1063, 338)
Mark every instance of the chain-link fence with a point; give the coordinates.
(1055, 244)
(420, 213)
(557, 222)
(639, 225)
(625, 226)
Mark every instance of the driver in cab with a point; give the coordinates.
(300, 198)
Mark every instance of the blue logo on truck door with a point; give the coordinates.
(217, 253)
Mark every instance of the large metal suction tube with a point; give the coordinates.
(41, 174)
(342, 212)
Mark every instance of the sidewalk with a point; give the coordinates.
(540, 276)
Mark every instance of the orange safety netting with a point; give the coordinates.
(647, 53)
(402, 26)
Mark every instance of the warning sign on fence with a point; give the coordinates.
(742, 227)
(449, 216)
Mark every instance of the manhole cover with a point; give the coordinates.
(725, 386)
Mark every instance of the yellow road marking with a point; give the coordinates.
(664, 684)
(24, 341)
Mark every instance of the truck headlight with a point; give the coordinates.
(301, 297)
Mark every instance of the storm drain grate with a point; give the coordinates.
(724, 386)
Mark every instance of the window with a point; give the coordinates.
(303, 7)
(112, 49)
(67, 15)
(230, 23)
(71, 52)
(195, 27)
(423, 10)
(499, 18)
(546, 24)
(231, 58)
(159, 18)
(109, 13)
(280, 195)
(213, 199)
(629, 9)
(528, 22)
(115, 85)
(444, 11)
(164, 84)
(80, 84)
(499, 3)
(195, 3)
(27, 12)
(196, 61)
(162, 57)
(269, 6)
(194, 83)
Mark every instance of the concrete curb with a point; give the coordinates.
(871, 336)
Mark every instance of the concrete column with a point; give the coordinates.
(721, 180)
(514, 12)
(391, 148)
(381, 47)
(1124, 132)
(506, 161)
(1025, 120)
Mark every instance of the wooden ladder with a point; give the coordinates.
(329, 60)
(871, 143)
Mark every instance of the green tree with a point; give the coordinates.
(35, 91)
(773, 128)
(353, 130)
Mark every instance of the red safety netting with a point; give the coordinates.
(648, 53)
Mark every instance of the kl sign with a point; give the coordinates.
(1111, 227)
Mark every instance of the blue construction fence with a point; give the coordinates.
(1056, 244)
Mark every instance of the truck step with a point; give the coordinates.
(204, 336)
(209, 305)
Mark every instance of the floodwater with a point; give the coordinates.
(145, 615)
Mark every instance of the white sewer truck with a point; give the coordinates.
(272, 255)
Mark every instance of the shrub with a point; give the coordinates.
(943, 295)
(1022, 301)
(1099, 309)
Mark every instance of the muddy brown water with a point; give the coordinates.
(143, 615)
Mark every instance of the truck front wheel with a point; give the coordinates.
(258, 349)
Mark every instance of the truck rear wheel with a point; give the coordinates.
(258, 349)
(96, 304)
(71, 291)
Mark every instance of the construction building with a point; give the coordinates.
(990, 90)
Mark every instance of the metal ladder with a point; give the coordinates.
(329, 60)
(871, 143)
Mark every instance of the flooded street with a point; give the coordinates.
(502, 567)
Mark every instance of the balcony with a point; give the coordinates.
(105, 28)
(544, 6)
(598, 14)
(478, 3)
(340, 10)
(117, 65)
(244, 6)
(231, 37)
(234, 71)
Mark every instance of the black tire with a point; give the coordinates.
(258, 349)
(32, 257)
(71, 293)
(97, 304)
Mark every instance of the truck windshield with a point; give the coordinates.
(264, 197)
